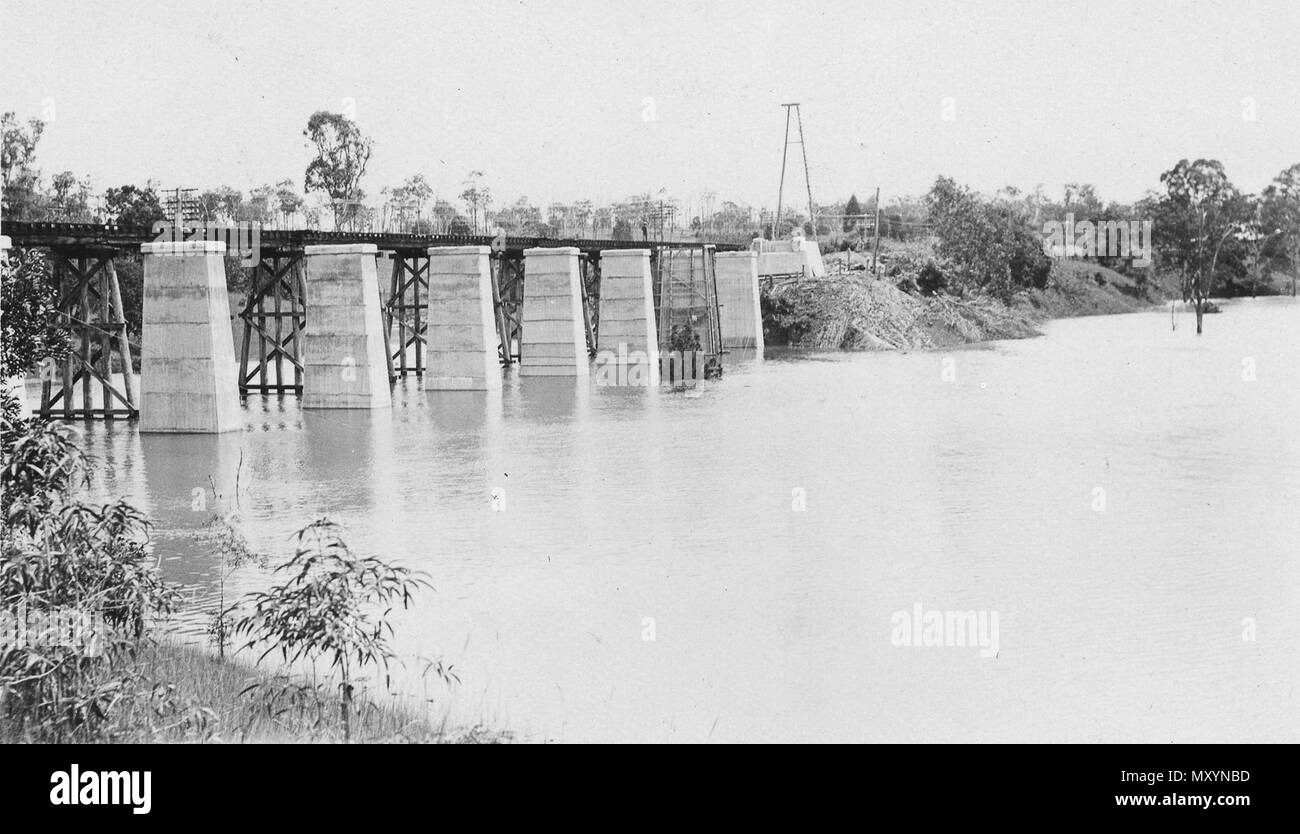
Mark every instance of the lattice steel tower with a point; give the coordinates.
(776, 223)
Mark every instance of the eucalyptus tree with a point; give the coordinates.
(1280, 212)
(342, 154)
(1197, 214)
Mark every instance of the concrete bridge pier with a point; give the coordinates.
(462, 329)
(554, 338)
(741, 317)
(188, 377)
(344, 358)
(627, 307)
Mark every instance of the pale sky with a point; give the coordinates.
(549, 99)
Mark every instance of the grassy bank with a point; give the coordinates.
(851, 309)
(85, 657)
(181, 693)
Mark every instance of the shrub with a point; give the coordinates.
(990, 244)
(77, 591)
(28, 330)
(931, 279)
(325, 609)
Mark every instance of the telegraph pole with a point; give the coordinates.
(875, 249)
(183, 207)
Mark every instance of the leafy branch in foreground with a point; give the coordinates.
(333, 605)
(78, 589)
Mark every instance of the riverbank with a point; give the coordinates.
(850, 309)
(183, 693)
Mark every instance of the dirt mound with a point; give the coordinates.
(851, 310)
(857, 312)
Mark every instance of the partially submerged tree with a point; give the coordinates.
(1199, 212)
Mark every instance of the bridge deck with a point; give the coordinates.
(113, 236)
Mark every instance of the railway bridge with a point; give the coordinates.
(319, 322)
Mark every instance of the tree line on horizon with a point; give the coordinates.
(1206, 230)
(1207, 233)
(333, 196)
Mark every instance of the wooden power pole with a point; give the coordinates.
(875, 249)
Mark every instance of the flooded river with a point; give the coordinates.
(1118, 501)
